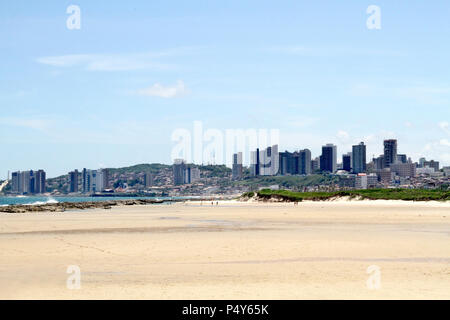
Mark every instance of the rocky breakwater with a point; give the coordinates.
(63, 206)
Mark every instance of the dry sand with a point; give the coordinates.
(316, 250)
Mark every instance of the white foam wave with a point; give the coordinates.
(49, 201)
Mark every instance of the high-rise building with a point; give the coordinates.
(104, 176)
(148, 179)
(183, 173)
(347, 162)
(304, 162)
(95, 180)
(289, 163)
(421, 162)
(73, 181)
(40, 181)
(191, 174)
(28, 182)
(85, 181)
(275, 160)
(402, 158)
(254, 163)
(328, 159)
(359, 158)
(265, 162)
(285, 163)
(257, 163)
(178, 171)
(15, 182)
(431, 164)
(406, 170)
(237, 166)
(315, 165)
(378, 162)
(390, 152)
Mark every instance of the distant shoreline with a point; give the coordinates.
(242, 200)
(42, 201)
(107, 204)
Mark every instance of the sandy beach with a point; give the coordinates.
(233, 250)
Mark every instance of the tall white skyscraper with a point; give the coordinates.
(95, 180)
(269, 161)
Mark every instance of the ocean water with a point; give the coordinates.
(36, 200)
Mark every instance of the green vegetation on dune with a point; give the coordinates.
(372, 194)
(250, 194)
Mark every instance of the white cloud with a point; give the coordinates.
(158, 90)
(98, 62)
(67, 60)
(117, 62)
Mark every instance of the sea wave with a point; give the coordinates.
(49, 201)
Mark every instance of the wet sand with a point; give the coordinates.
(316, 250)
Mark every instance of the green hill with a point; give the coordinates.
(144, 167)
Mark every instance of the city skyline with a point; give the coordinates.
(390, 169)
(270, 161)
(81, 98)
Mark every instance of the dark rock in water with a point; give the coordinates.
(63, 206)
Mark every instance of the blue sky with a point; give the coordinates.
(112, 93)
